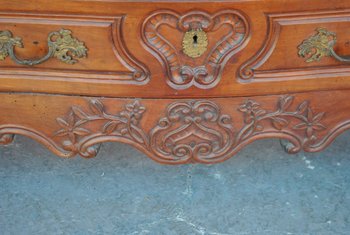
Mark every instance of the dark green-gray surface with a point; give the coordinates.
(261, 190)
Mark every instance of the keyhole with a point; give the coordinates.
(195, 38)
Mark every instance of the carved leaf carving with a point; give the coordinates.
(109, 127)
(279, 123)
(303, 107)
(96, 107)
(190, 131)
(123, 124)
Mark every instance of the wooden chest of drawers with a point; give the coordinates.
(182, 81)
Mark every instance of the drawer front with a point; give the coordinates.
(302, 45)
(67, 46)
(171, 48)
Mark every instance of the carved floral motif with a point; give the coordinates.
(190, 131)
(123, 124)
(254, 115)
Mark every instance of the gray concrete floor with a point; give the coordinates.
(260, 191)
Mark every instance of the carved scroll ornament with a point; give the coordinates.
(198, 56)
(190, 131)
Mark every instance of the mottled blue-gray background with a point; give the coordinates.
(261, 190)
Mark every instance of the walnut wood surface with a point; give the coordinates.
(137, 86)
(266, 64)
(174, 131)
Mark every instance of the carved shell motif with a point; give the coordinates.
(169, 36)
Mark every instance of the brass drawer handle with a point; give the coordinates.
(61, 45)
(320, 45)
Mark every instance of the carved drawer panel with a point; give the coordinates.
(300, 46)
(72, 47)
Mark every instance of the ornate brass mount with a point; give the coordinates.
(61, 45)
(195, 43)
(320, 45)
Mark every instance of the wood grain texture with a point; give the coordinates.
(138, 86)
(174, 131)
(130, 70)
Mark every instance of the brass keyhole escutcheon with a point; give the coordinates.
(195, 43)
